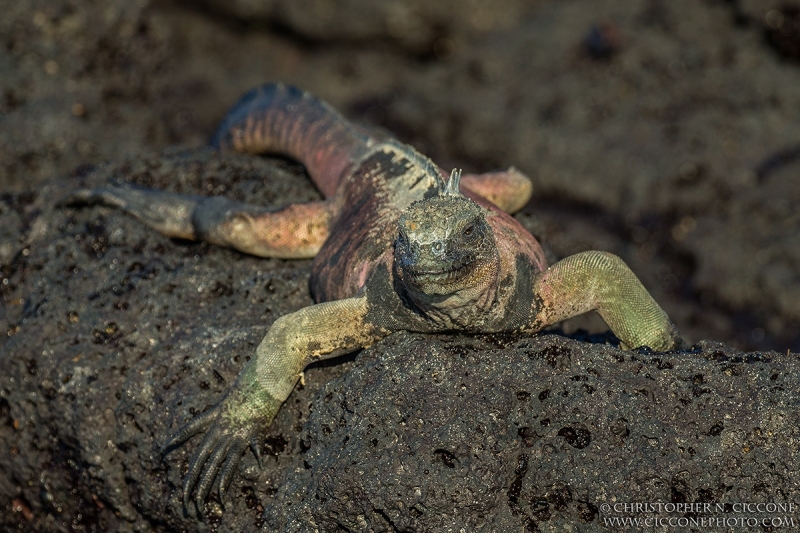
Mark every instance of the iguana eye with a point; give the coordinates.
(469, 230)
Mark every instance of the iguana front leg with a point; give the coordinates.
(603, 282)
(292, 232)
(319, 331)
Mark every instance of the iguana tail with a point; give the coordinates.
(283, 119)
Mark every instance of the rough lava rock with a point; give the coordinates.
(471, 434)
(113, 336)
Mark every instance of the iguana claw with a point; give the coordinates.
(230, 426)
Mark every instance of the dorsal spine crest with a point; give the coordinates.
(451, 188)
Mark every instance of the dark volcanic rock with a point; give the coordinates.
(459, 434)
(114, 335)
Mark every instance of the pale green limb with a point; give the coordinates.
(316, 332)
(602, 282)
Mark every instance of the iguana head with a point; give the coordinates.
(445, 245)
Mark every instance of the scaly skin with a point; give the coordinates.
(396, 247)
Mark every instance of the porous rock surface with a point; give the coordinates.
(113, 336)
(458, 434)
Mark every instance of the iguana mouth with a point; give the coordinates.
(454, 271)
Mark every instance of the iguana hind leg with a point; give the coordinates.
(508, 189)
(603, 282)
(295, 231)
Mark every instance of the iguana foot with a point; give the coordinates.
(170, 214)
(232, 425)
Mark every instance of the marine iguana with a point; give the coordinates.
(396, 246)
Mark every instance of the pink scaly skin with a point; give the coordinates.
(396, 246)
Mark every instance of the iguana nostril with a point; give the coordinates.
(437, 247)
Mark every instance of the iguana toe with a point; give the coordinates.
(229, 467)
(209, 470)
(188, 430)
(256, 451)
(197, 466)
